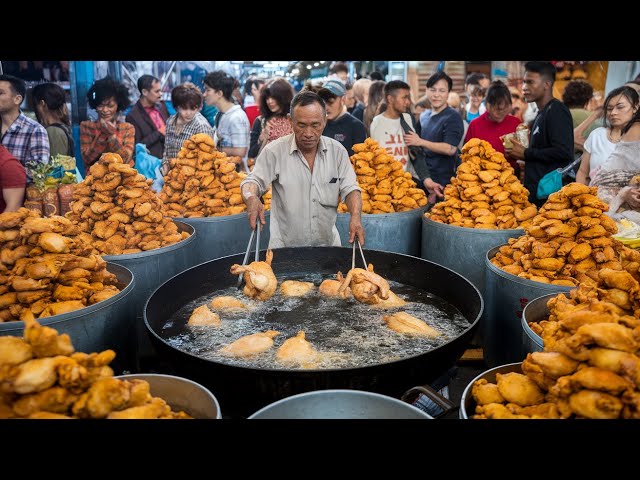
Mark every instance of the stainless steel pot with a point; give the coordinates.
(340, 404)
(535, 311)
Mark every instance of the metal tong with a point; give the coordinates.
(246, 255)
(353, 255)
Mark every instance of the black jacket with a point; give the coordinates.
(146, 131)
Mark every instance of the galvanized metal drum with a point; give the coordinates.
(340, 404)
(535, 311)
(506, 295)
(467, 403)
(101, 326)
(462, 250)
(181, 394)
(218, 237)
(392, 232)
(151, 269)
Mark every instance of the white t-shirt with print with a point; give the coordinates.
(389, 134)
(600, 148)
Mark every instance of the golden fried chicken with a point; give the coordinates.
(48, 416)
(44, 341)
(156, 408)
(294, 288)
(59, 308)
(250, 344)
(595, 378)
(31, 376)
(606, 335)
(227, 303)
(107, 292)
(55, 243)
(14, 350)
(519, 389)
(260, 282)
(330, 288)
(366, 286)
(611, 359)
(297, 350)
(484, 392)
(545, 367)
(390, 302)
(202, 316)
(592, 404)
(543, 410)
(496, 411)
(402, 322)
(52, 400)
(47, 268)
(103, 397)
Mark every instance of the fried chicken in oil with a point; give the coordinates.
(202, 316)
(260, 282)
(297, 350)
(227, 303)
(250, 344)
(402, 322)
(294, 288)
(331, 288)
(366, 286)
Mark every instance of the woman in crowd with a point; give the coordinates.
(13, 180)
(252, 89)
(187, 121)
(48, 100)
(107, 134)
(473, 107)
(376, 97)
(621, 111)
(275, 100)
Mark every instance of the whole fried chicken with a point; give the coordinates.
(260, 282)
(331, 288)
(366, 286)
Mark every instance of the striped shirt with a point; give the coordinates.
(96, 139)
(27, 140)
(173, 139)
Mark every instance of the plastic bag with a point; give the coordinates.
(146, 163)
(552, 181)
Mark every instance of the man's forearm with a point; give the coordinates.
(249, 190)
(354, 203)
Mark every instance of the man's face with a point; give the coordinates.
(187, 114)
(484, 83)
(438, 94)
(307, 123)
(343, 76)
(9, 101)
(211, 96)
(154, 94)
(334, 108)
(400, 100)
(349, 99)
(533, 86)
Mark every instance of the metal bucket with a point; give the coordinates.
(535, 311)
(458, 248)
(221, 236)
(506, 295)
(340, 404)
(467, 403)
(151, 269)
(98, 327)
(392, 232)
(181, 394)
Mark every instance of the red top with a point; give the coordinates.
(12, 174)
(252, 111)
(485, 129)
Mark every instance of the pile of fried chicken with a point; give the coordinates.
(202, 182)
(47, 267)
(116, 207)
(590, 366)
(41, 376)
(485, 193)
(386, 187)
(364, 286)
(568, 242)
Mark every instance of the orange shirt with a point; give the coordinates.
(95, 140)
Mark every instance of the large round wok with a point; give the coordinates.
(242, 390)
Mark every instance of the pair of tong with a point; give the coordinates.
(353, 255)
(246, 255)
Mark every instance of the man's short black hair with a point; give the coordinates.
(222, 81)
(545, 69)
(474, 78)
(391, 87)
(436, 77)
(376, 75)
(145, 82)
(17, 84)
(307, 97)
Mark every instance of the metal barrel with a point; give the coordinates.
(467, 403)
(506, 295)
(535, 311)
(462, 250)
(221, 236)
(101, 326)
(398, 232)
(181, 394)
(151, 269)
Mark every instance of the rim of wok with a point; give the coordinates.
(151, 331)
(124, 276)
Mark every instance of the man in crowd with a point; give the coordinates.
(149, 115)
(13, 180)
(341, 126)
(551, 143)
(232, 124)
(308, 173)
(25, 139)
(339, 71)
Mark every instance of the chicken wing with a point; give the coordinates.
(52, 400)
(596, 405)
(294, 288)
(202, 316)
(32, 376)
(260, 282)
(250, 344)
(156, 408)
(103, 397)
(227, 303)
(45, 341)
(484, 392)
(59, 308)
(402, 322)
(297, 350)
(14, 350)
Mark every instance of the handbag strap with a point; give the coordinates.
(571, 165)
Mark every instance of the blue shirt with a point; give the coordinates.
(447, 127)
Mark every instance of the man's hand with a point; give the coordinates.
(632, 197)
(412, 138)
(255, 210)
(355, 228)
(516, 151)
(434, 187)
